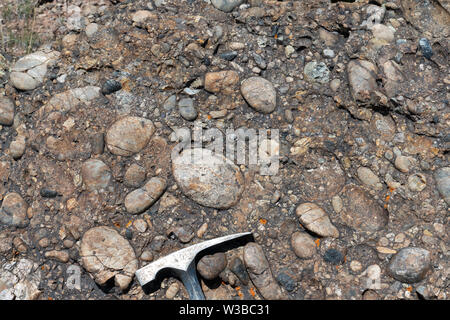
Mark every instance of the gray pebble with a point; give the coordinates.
(410, 265)
(442, 177)
(187, 109)
(317, 72)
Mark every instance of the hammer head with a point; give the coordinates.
(179, 261)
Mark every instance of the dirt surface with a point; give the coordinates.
(357, 210)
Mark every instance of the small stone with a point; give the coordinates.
(75, 21)
(140, 225)
(382, 32)
(260, 94)
(211, 266)
(303, 245)
(260, 273)
(141, 199)
(362, 79)
(316, 220)
(44, 243)
(337, 204)
(20, 245)
(6, 111)
(96, 174)
(360, 211)
(229, 55)
(426, 48)
(208, 179)
(67, 243)
(129, 234)
(417, 182)
(355, 266)
(238, 268)
(202, 230)
(170, 103)
(135, 176)
(286, 281)
(226, 5)
(47, 193)
(61, 256)
(17, 147)
(111, 86)
(147, 256)
(370, 295)
(184, 233)
(335, 84)
(29, 71)
(442, 177)
(333, 256)
(13, 211)
(23, 81)
(289, 50)
(259, 60)
(328, 53)
(187, 109)
(410, 264)
(141, 15)
(172, 291)
(403, 163)
(91, 29)
(97, 143)
(106, 254)
(129, 135)
(369, 178)
(317, 72)
(221, 81)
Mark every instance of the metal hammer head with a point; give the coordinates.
(181, 262)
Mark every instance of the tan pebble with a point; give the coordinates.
(337, 204)
(316, 220)
(202, 230)
(71, 204)
(403, 163)
(386, 250)
(356, 266)
(61, 256)
(172, 290)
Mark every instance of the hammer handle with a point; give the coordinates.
(191, 283)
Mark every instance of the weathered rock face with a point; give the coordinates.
(96, 174)
(259, 270)
(410, 265)
(129, 135)
(362, 79)
(316, 220)
(19, 280)
(29, 72)
(260, 94)
(141, 199)
(361, 212)
(208, 179)
(6, 111)
(442, 177)
(428, 16)
(13, 211)
(106, 254)
(221, 81)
